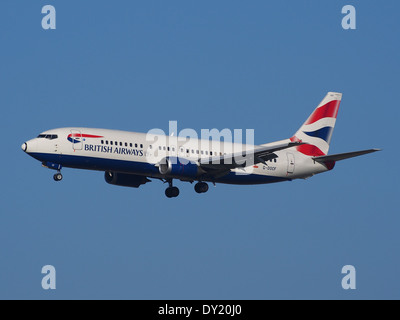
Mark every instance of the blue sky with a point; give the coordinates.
(258, 65)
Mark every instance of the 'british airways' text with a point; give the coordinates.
(117, 150)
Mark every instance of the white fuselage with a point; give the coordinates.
(141, 153)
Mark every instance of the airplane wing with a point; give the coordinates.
(243, 159)
(343, 156)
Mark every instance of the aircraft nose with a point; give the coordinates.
(24, 147)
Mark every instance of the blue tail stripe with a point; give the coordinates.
(323, 133)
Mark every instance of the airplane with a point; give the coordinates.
(131, 159)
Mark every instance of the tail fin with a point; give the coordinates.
(317, 130)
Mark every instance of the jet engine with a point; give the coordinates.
(173, 166)
(125, 179)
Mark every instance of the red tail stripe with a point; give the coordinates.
(329, 110)
(308, 149)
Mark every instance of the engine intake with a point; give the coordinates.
(125, 179)
(174, 166)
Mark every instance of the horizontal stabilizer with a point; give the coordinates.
(342, 156)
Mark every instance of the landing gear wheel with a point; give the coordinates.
(201, 187)
(57, 177)
(172, 192)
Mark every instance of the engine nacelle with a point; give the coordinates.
(125, 179)
(174, 166)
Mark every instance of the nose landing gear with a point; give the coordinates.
(58, 176)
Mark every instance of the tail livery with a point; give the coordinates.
(317, 131)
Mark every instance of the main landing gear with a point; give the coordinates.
(58, 176)
(171, 191)
(201, 187)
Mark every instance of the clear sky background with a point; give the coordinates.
(262, 65)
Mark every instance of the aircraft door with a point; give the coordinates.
(77, 141)
(291, 163)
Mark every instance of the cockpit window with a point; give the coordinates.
(48, 136)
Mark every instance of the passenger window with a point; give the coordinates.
(126, 144)
(120, 144)
(197, 151)
(164, 148)
(102, 141)
(187, 150)
(173, 149)
(202, 152)
(106, 141)
(151, 147)
(192, 151)
(159, 148)
(141, 146)
(111, 142)
(116, 143)
(131, 145)
(136, 145)
(210, 153)
(206, 153)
